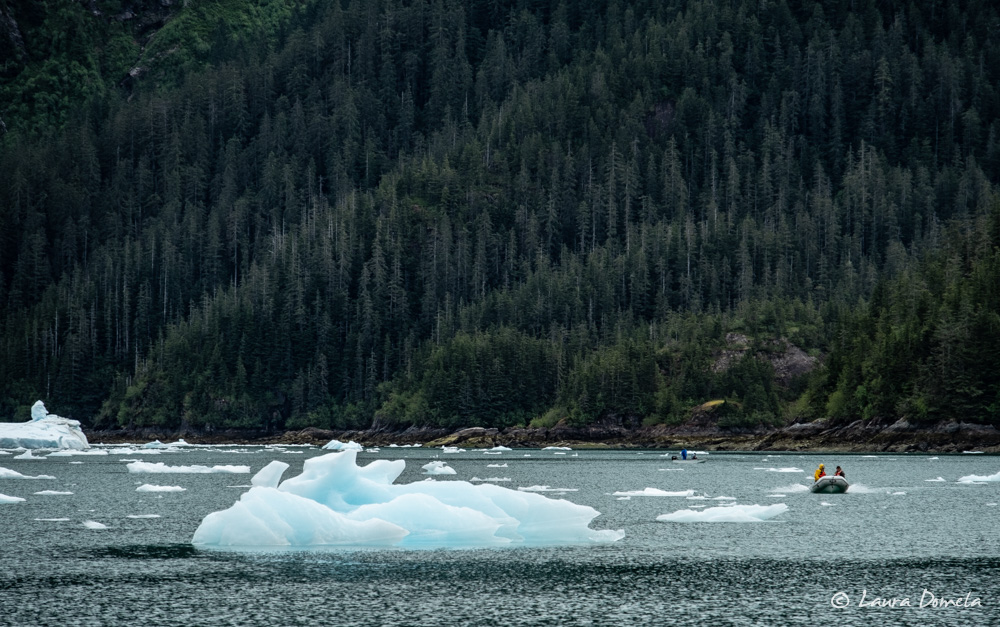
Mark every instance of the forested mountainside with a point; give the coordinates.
(278, 214)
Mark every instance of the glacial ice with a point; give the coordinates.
(337, 445)
(438, 468)
(10, 499)
(336, 503)
(52, 493)
(44, 430)
(161, 468)
(732, 513)
(979, 478)
(93, 524)
(7, 473)
(654, 492)
(147, 487)
(785, 469)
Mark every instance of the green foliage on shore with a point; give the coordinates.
(446, 213)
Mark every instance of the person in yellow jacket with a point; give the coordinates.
(819, 473)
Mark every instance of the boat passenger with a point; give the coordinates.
(839, 473)
(684, 453)
(819, 473)
(695, 456)
(673, 457)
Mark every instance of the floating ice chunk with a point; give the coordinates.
(654, 492)
(155, 444)
(499, 449)
(697, 498)
(724, 498)
(7, 473)
(825, 504)
(931, 458)
(28, 455)
(504, 465)
(979, 478)
(492, 479)
(785, 469)
(38, 411)
(991, 505)
(161, 468)
(939, 479)
(545, 488)
(334, 502)
(972, 452)
(733, 513)
(337, 445)
(898, 493)
(777, 496)
(797, 487)
(146, 487)
(93, 524)
(557, 448)
(53, 493)
(624, 498)
(179, 442)
(269, 476)
(52, 519)
(4, 499)
(143, 516)
(452, 449)
(438, 468)
(71, 453)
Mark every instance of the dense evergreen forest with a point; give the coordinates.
(277, 214)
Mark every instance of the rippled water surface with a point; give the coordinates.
(894, 537)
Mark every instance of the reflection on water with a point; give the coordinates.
(939, 538)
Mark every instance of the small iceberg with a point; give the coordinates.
(336, 503)
(146, 487)
(7, 473)
(979, 478)
(653, 492)
(44, 430)
(4, 499)
(93, 524)
(732, 513)
(438, 468)
(161, 468)
(337, 445)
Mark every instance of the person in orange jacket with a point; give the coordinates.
(819, 473)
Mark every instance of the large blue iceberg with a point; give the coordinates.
(336, 503)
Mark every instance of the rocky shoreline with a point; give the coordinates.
(950, 437)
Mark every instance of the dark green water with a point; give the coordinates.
(893, 536)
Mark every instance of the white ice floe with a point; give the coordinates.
(161, 468)
(44, 430)
(979, 478)
(4, 499)
(93, 524)
(143, 516)
(939, 479)
(825, 504)
(653, 492)
(972, 452)
(53, 493)
(7, 473)
(335, 502)
(146, 487)
(504, 465)
(337, 445)
(492, 479)
(733, 513)
(452, 449)
(155, 444)
(28, 455)
(438, 468)
(545, 488)
(898, 494)
(724, 498)
(931, 458)
(785, 469)
(269, 476)
(557, 448)
(52, 519)
(498, 449)
(795, 487)
(73, 453)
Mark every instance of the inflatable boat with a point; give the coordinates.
(830, 484)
